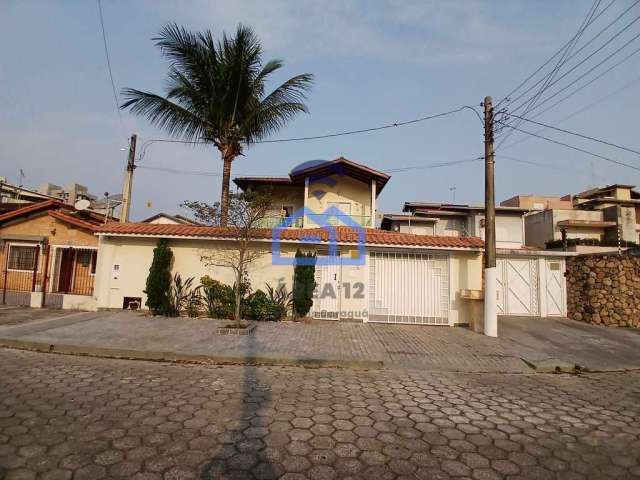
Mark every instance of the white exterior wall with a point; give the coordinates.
(133, 257)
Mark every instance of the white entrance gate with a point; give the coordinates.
(408, 288)
(554, 288)
(517, 286)
(326, 298)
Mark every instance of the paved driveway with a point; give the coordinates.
(589, 346)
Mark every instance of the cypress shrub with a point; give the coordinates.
(304, 283)
(159, 280)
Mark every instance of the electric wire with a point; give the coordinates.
(114, 90)
(602, 157)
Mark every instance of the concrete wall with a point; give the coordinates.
(133, 257)
(542, 227)
(123, 267)
(417, 228)
(604, 289)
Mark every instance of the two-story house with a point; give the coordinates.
(530, 281)
(321, 193)
(598, 219)
(324, 207)
(456, 220)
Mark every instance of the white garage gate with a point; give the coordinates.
(408, 288)
(531, 286)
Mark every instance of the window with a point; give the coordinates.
(22, 257)
(87, 258)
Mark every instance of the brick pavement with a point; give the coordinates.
(397, 346)
(83, 418)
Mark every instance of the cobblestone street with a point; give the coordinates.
(84, 418)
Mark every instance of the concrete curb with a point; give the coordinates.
(130, 354)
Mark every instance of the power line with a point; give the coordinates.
(113, 84)
(524, 82)
(576, 112)
(393, 170)
(320, 137)
(587, 137)
(549, 79)
(611, 160)
(434, 165)
(584, 60)
(587, 44)
(582, 87)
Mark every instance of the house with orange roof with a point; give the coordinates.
(362, 273)
(48, 255)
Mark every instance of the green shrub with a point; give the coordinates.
(179, 295)
(218, 298)
(159, 279)
(260, 307)
(304, 284)
(281, 296)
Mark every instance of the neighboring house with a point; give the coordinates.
(599, 219)
(13, 196)
(304, 197)
(48, 255)
(166, 219)
(455, 220)
(530, 281)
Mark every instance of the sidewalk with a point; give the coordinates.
(135, 335)
(524, 345)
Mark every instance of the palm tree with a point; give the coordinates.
(216, 94)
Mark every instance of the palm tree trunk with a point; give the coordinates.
(224, 198)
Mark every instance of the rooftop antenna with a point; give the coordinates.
(20, 183)
(453, 194)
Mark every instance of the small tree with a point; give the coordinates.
(159, 279)
(304, 282)
(247, 212)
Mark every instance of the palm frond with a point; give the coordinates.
(176, 120)
(278, 108)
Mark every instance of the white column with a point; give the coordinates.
(373, 203)
(490, 301)
(306, 196)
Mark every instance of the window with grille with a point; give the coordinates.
(22, 257)
(87, 258)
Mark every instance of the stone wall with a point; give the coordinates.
(604, 289)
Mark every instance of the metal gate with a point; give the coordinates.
(518, 292)
(19, 272)
(409, 288)
(326, 298)
(554, 288)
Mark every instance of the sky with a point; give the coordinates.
(374, 63)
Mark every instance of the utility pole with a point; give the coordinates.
(490, 284)
(128, 181)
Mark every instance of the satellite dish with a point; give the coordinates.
(82, 204)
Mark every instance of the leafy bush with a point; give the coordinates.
(193, 303)
(159, 279)
(260, 307)
(179, 293)
(218, 298)
(304, 283)
(281, 297)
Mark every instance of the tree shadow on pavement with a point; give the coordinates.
(243, 453)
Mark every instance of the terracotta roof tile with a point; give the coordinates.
(76, 221)
(31, 208)
(344, 234)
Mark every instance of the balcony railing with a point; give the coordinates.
(314, 221)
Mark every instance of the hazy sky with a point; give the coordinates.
(374, 63)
